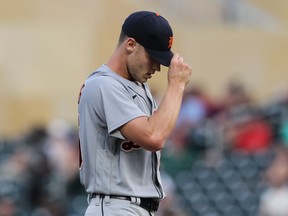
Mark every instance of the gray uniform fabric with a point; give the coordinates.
(115, 207)
(112, 165)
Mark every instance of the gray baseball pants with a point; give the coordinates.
(105, 206)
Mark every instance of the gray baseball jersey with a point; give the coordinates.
(110, 164)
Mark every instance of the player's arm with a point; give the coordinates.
(152, 132)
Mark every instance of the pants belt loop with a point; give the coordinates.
(135, 200)
(93, 198)
(138, 200)
(107, 200)
(89, 197)
(97, 200)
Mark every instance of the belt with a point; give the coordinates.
(149, 204)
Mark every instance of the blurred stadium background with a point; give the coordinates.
(228, 152)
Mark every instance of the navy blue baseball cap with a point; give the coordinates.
(153, 32)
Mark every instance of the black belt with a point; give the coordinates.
(149, 204)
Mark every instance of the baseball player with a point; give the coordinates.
(121, 130)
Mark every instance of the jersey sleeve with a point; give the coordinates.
(113, 103)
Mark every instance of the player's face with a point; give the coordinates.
(141, 66)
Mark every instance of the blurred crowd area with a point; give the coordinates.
(226, 156)
(229, 156)
(39, 172)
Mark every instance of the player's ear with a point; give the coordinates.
(130, 45)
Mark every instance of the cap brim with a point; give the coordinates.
(162, 57)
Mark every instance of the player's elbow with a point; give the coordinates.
(155, 143)
(151, 143)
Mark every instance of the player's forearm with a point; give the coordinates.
(163, 120)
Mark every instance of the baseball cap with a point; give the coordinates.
(153, 32)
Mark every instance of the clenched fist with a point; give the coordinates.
(179, 72)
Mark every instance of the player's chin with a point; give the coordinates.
(148, 76)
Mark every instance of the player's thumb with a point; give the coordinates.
(175, 56)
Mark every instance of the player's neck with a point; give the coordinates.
(117, 64)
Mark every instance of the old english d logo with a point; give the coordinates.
(170, 42)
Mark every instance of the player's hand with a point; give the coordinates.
(179, 72)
